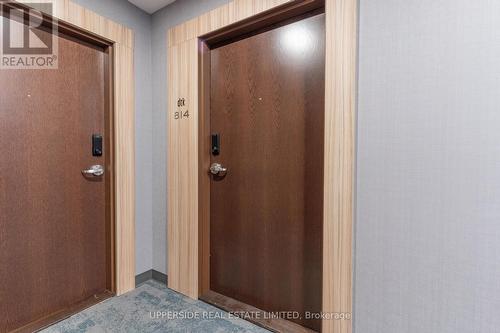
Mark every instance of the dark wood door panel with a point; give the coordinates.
(267, 104)
(53, 227)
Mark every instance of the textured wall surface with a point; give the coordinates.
(428, 187)
(123, 12)
(170, 16)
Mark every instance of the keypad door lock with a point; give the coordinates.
(96, 145)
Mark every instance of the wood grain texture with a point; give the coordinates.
(50, 320)
(259, 317)
(54, 230)
(84, 18)
(218, 18)
(124, 168)
(266, 216)
(182, 155)
(341, 50)
(204, 179)
(183, 169)
(124, 117)
(341, 46)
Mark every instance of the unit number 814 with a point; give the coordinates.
(181, 114)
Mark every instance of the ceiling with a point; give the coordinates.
(151, 6)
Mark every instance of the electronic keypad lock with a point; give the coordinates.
(215, 144)
(96, 145)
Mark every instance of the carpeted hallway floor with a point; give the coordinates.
(136, 312)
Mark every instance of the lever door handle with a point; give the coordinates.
(95, 170)
(218, 170)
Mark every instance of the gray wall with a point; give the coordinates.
(123, 12)
(428, 186)
(172, 15)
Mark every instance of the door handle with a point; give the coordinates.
(218, 170)
(95, 170)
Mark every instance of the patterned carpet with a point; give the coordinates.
(153, 308)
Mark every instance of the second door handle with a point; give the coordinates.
(218, 170)
(95, 170)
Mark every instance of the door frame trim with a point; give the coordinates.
(122, 39)
(119, 41)
(184, 148)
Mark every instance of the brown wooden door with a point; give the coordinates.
(55, 224)
(266, 214)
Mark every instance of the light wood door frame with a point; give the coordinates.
(184, 207)
(123, 101)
